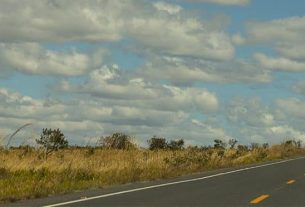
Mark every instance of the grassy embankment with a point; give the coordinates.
(24, 173)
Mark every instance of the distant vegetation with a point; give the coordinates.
(55, 167)
(118, 141)
(157, 143)
(52, 140)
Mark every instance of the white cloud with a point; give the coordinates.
(280, 30)
(157, 27)
(200, 100)
(292, 51)
(224, 2)
(182, 37)
(28, 109)
(248, 120)
(286, 132)
(61, 20)
(107, 83)
(294, 107)
(285, 36)
(187, 71)
(299, 87)
(238, 39)
(249, 113)
(96, 117)
(281, 63)
(181, 49)
(33, 59)
(254, 121)
(169, 8)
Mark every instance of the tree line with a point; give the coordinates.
(53, 140)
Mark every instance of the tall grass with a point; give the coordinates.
(24, 173)
(2, 138)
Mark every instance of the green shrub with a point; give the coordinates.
(176, 144)
(157, 143)
(52, 140)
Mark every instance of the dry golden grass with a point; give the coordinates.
(24, 173)
(2, 138)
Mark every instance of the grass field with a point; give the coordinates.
(24, 172)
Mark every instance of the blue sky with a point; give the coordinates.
(193, 69)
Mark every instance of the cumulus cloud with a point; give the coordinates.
(251, 113)
(299, 87)
(257, 122)
(169, 8)
(27, 108)
(181, 37)
(60, 20)
(294, 107)
(224, 2)
(156, 26)
(281, 63)
(238, 39)
(279, 30)
(31, 58)
(96, 117)
(107, 83)
(17, 106)
(187, 71)
(248, 120)
(180, 50)
(285, 36)
(291, 51)
(286, 132)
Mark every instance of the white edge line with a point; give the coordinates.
(170, 183)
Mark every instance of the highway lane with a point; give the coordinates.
(274, 184)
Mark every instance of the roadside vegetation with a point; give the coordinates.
(55, 167)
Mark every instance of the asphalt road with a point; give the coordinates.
(270, 184)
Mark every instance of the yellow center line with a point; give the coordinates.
(290, 182)
(259, 199)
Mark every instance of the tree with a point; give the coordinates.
(156, 143)
(254, 146)
(232, 143)
(293, 143)
(52, 140)
(118, 141)
(265, 145)
(299, 143)
(176, 144)
(242, 148)
(219, 144)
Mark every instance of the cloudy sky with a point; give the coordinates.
(192, 69)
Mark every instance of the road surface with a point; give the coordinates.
(277, 184)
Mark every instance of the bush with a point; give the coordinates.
(219, 144)
(265, 145)
(52, 140)
(242, 148)
(254, 146)
(232, 143)
(118, 141)
(176, 145)
(156, 143)
(293, 143)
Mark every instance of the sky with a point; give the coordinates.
(193, 69)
